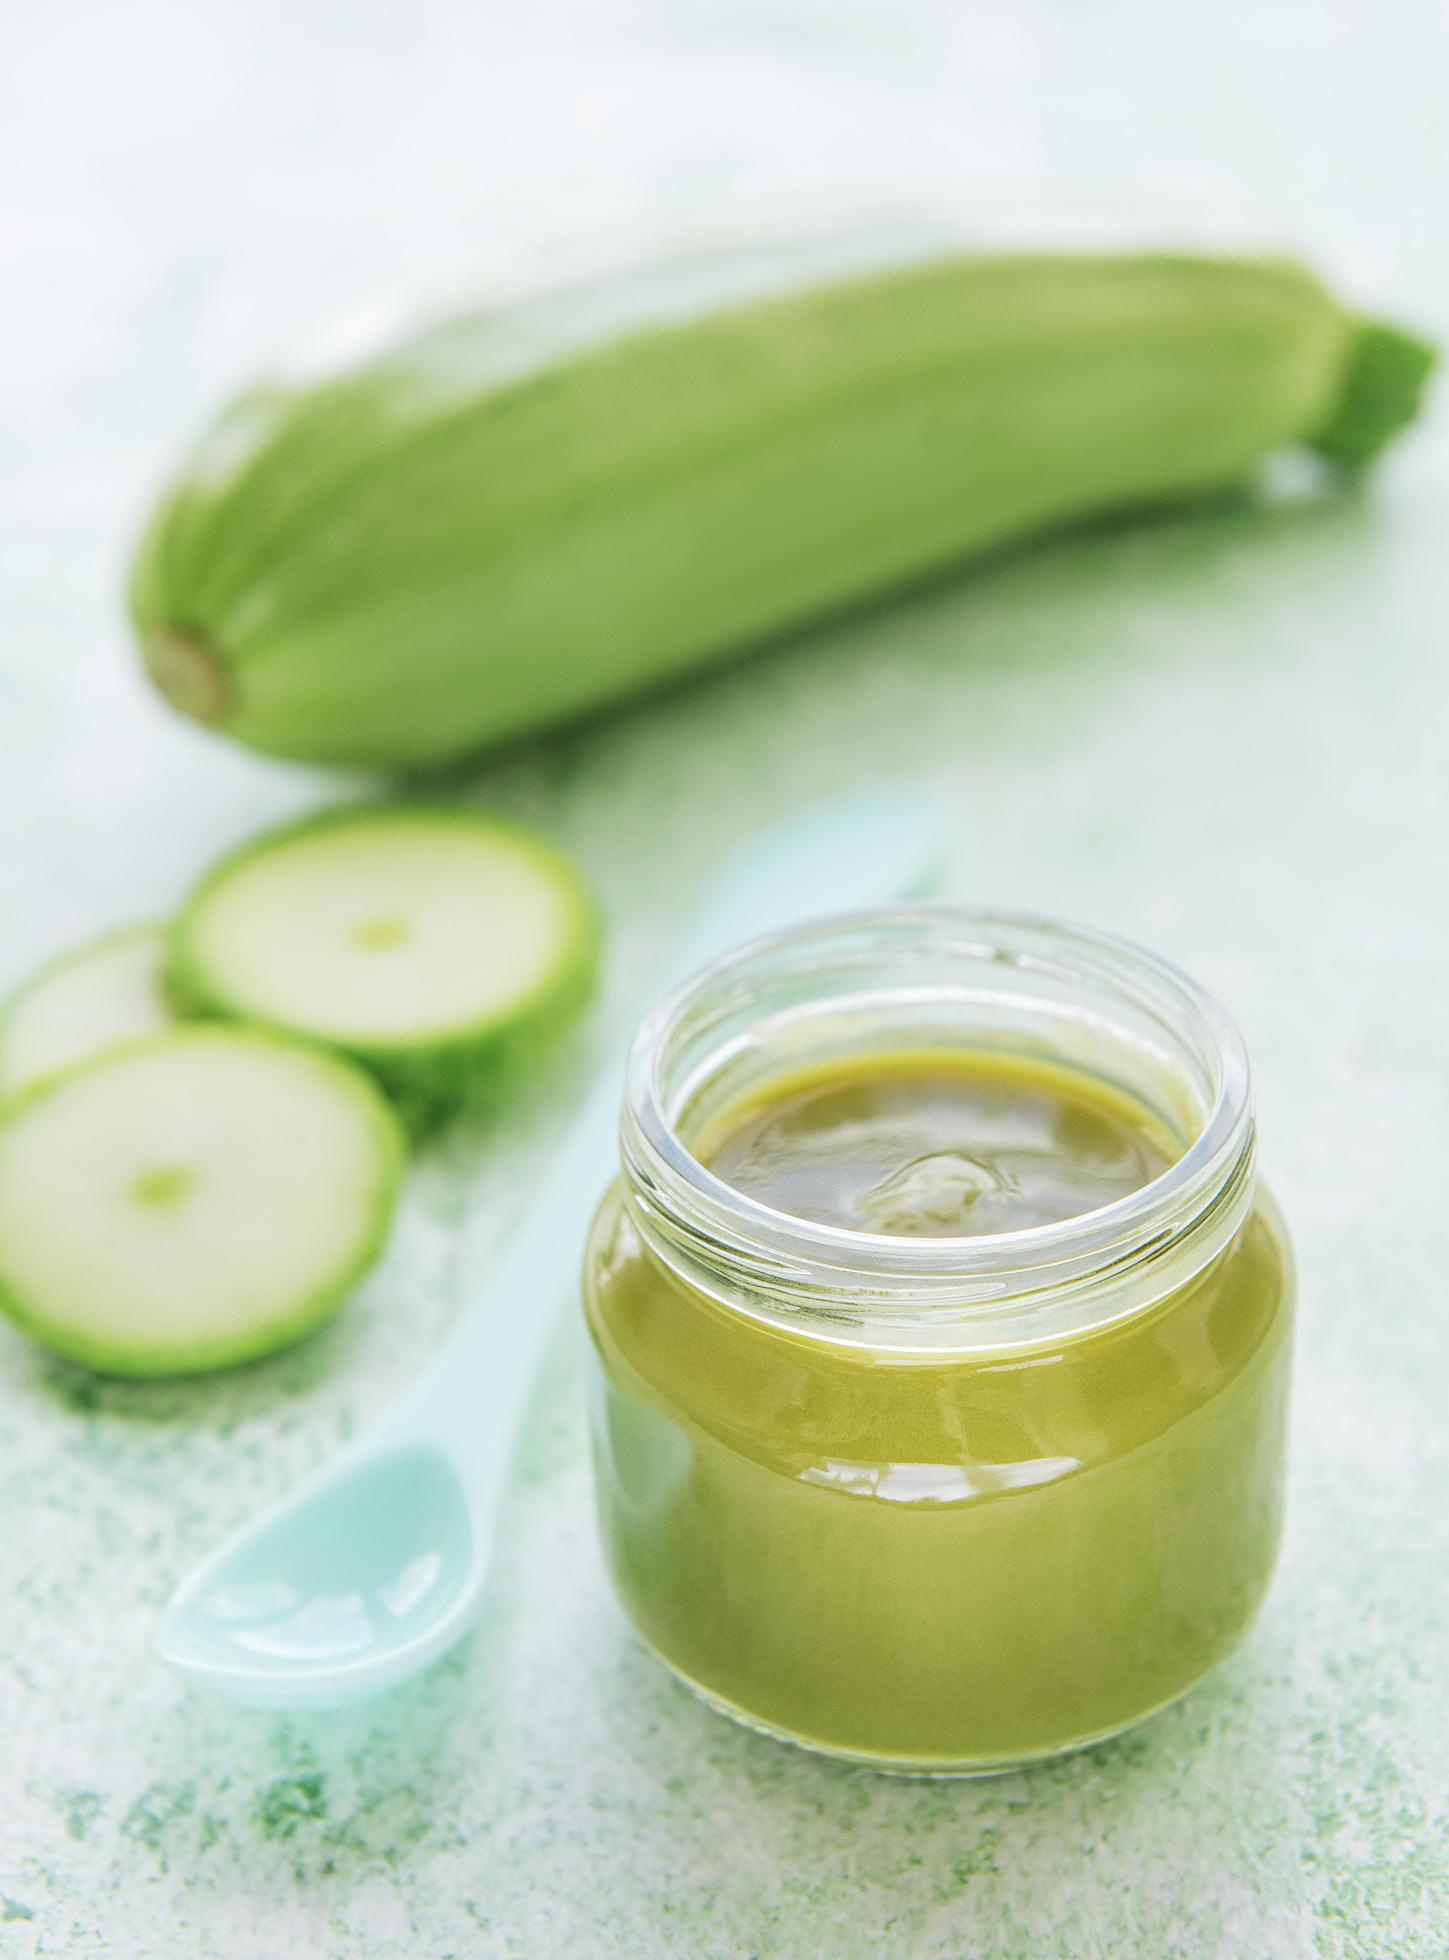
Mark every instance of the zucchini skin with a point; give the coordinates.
(544, 504)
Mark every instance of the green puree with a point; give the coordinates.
(939, 1559)
(936, 1146)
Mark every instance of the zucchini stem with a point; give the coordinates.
(1383, 385)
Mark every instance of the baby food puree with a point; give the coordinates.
(945, 1550)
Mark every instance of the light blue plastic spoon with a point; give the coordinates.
(377, 1565)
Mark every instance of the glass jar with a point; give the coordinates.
(940, 1505)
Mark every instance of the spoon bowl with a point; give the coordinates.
(337, 1596)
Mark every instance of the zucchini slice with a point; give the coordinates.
(426, 943)
(193, 1200)
(106, 992)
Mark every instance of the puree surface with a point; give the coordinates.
(953, 1557)
(936, 1145)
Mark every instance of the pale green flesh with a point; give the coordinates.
(938, 1561)
(385, 581)
(95, 999)
(197, 1199)
(382, 933)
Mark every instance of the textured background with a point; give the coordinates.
(1225, 734)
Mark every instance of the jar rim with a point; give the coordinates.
(705, 1226)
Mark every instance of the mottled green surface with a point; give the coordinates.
(1225, 735)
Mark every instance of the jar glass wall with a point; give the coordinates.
(947, 1503)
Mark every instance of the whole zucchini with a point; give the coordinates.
(566, 493)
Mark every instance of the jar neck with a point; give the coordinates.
(932, 978)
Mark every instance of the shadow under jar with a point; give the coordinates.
(875, 1474)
